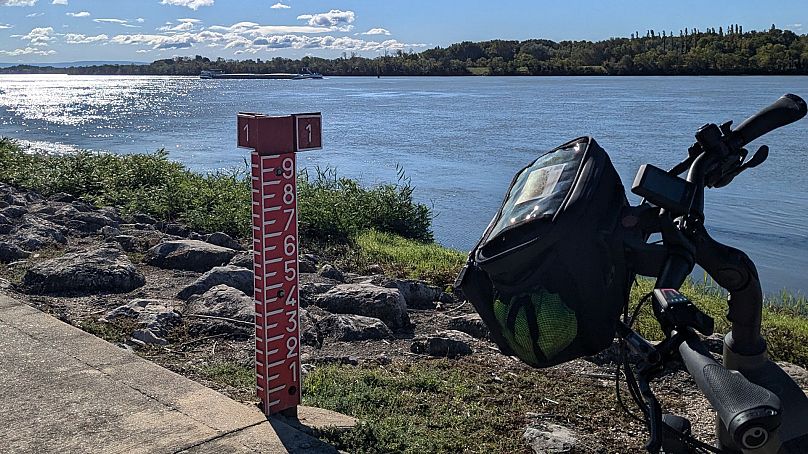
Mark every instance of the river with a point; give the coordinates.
(459, 139)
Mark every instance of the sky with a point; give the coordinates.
(39, 31)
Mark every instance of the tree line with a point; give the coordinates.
(726, 51)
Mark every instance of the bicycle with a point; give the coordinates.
(760, 409)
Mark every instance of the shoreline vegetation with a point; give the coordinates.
(724, 51)
(407, 403)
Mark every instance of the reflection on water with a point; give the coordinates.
(459, 139)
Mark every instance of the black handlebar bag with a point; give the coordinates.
(548, 276)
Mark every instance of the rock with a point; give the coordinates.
(106, 269)
(5, 225)
(128, 243)
(306, 265)
(550, 438)
(222, 301)
(470, 324)
(312, 285)
(344, 360)
(80, 218)
(189, 255)
(155, 320)
(4, 284)
(14, 212)
(140, 218)
(383, 360)
(232, 276)
(328, 271)
(109, 231)
(10, 252)
(369, 300)
(450, 344)
(224, 240)
(243, 260)
(197, 236)
(35, 233)
(417, 294)
(176, 230)
(62, 197)
(310, 333)
(350, 328)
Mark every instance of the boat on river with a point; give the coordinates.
(220, 74)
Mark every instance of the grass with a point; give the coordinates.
(451, 406)
(405, 258)
(239, 377)
(332, 209)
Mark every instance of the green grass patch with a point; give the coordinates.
(114, 332)
(239, 377)
(335, 209)
(446, 406)
(406, 258)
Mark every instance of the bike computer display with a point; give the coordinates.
(663, 189)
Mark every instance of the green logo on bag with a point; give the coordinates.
(556, 323)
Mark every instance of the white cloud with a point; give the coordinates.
(33, 14)
(157, 42)
(280, 5)
(18, 3)
(59, 2)
(377, 31)
(5, 26)
(185, 25)
(76, 38)
(140, 20)
(122, 22)
(253, 29)
(27, 51)
(38, 36)
(79, 14)
(193, 4)
(333, 18)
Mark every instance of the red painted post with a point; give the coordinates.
(275, 250)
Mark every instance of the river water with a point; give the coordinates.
(460, 140)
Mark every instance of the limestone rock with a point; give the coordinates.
(353, 328)
(34, 233)
(106, 269)
(226, 302)
(232, 276)
(10, 252)
(243, 260)
(224, 240)
(328, 271)
(470, 324)
(155, 320)
(550, 438)
(369, 300)
(189, 255)
(450, 344)
(417, 294)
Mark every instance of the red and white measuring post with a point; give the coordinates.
(275, 140)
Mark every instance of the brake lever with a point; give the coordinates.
(756, 160)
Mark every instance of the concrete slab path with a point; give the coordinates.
(64, 390)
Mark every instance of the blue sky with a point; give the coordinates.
(146, 30)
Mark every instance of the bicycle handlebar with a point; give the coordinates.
(749, 412)
(787, 109)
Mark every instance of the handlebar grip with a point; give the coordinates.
(751, 413)
(788, 109)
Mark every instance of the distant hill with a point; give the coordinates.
(74, 64)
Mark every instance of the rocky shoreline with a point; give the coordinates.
(182, 299)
